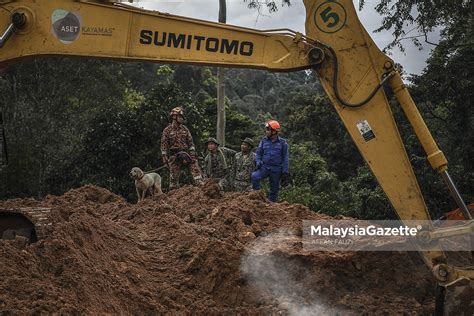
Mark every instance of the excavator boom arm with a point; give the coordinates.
(107, 30)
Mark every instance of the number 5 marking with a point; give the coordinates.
(327, 15)
(330, 16)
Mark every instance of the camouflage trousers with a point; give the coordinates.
(175, 172)
(241, 186)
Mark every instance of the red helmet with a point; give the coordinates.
(272, 124)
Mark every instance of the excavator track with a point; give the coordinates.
(32, 223)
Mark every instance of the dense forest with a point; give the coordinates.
(71, 122)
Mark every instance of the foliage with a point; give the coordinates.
(270, 5)
(444, 93)
(320, 189)
(315, 186)
(454, 17)
(256, 92)
(45, 110)
(313, 119)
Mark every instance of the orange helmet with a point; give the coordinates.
(272, 124)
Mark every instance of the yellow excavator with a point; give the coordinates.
(352, 70)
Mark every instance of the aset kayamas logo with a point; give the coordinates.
(66, 26)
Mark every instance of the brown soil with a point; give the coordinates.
(195, 250)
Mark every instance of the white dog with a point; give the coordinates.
(146, 183)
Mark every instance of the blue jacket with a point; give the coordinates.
(273, 155)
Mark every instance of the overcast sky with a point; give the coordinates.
(292, 17)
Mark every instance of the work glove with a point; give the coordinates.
(285, 179)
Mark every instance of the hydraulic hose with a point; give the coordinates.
(386, 76)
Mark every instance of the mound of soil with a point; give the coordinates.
(196, 250)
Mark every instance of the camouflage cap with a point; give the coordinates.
(177, 110)
(212, 140)
(249, 141)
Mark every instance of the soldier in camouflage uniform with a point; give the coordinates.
(177, 138)
(243, 166)
(218, 163)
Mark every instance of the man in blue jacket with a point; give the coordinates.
(272, 160)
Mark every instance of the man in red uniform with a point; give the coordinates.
(176, 142)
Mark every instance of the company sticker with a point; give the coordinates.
(365, 130)
(68, 26)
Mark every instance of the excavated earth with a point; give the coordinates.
(197, 250)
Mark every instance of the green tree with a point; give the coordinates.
(312, 119)
(314, 185)
(444, 94)
(453, 17)
(46, 110)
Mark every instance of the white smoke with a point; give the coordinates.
(268, 266)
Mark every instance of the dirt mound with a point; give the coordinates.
(196, 250)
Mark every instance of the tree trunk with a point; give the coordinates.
(222, 11)
(221, 85)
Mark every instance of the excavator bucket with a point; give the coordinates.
(30, 223)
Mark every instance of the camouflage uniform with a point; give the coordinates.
(176, 138)
(242, 170)
(218, 164)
